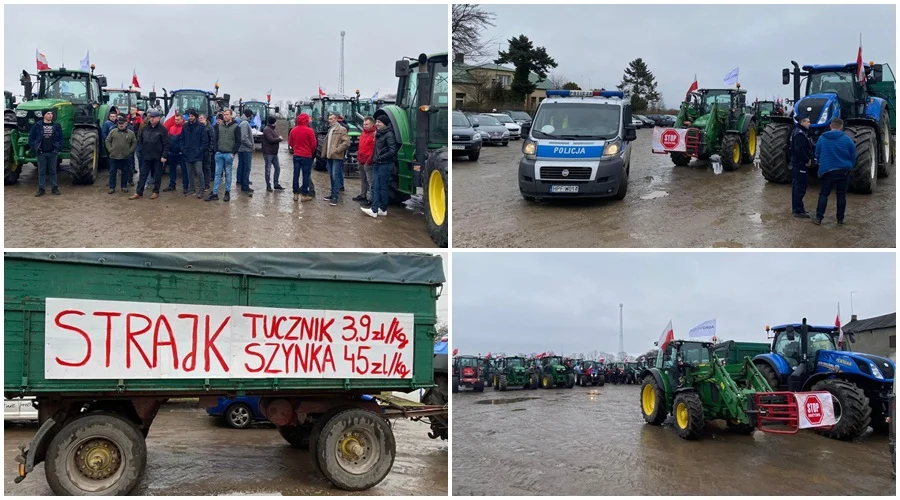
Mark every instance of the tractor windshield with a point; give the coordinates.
(563, 120)
(259, 110)
(553, 360)
(832, 82)
(766, 107)
(68, 87)
(440, 91)
(720, 97)
(694, 353)
(183, 101)
(820, 341)
(121, 100)
(339, 107)
(472, 362)
(513, 362)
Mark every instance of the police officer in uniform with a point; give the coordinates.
(802, 155)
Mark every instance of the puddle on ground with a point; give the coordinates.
(755, 217)
(503, 401)
(654, 194)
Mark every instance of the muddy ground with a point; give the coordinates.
(665, 207)
(86, 216)
(190, 453)
(593, 441)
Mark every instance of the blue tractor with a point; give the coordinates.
(868, 109)
(807, 358)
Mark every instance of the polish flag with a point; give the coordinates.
(456, 351)
(860, 69)
(694, 86)
(541, 355)
(667, 336)
(134, 79)
(269, 96)
(41, 60)
(170, 118)
(321, 92)
(837, 324)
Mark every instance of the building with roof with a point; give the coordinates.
(876, 335)
(472, 85)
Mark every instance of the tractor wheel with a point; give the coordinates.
(533, 381)
(851, 409)
(863, 175)
(689, 419)
(748, 141)
(769, 374)
(653, 401)
(479, 386)
(772, 160)
(570, 381)
(680, 159)
(496, 383)
(582, 381)
(85, 158)
(435, 197)
(455, 383)
(886, 155)
(730, 152)
(296, 435)
(11, 169)
(547, 382)
(502, 383)
(601, 380)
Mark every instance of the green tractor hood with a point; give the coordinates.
(42, 104)
(701, 122)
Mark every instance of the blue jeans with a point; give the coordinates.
(244, 161)
(114, 167)
(174, 161)
(336, 174)
(381, 174)
(46, 165)
(224, 161)
(798, 189)
(838, 180)
(304, 166)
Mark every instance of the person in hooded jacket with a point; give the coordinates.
(176, 155)
(802, 156)
(383, 160)
(302, 146)
(364, 157)
(836, 156)
(270, 142)
(195, 146)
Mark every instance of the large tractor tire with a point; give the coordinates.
(570, 381)
(864, 174)
(886, 152)
(653, 401)
(748, 141)
(772, 160)
(479, 386)
(730, 152)
(533, 379)
(96, 454)
(355, 449)
(688, 412)
(769, 374)
(435, 197)
(11, 170)
(601, 380)
(85, 159)
(502, 384)
(496, 383)
(851, 409)
(547, 381)
(680, 159)
(455, 385)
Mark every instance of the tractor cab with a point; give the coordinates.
(9, 107)
(685, 356)
(124, 99)
(204, 101)
(764, 108)
(260, 118)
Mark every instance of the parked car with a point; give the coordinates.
(238, 412)
(522, 118)
(466, 139)
(492, 131)
(19, 409)
(670, 120)
(637, 122)
(647, 122)
(515, 130)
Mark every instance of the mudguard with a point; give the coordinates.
(874, 106)
(775, 361)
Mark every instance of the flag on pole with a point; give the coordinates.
(86, 62)
(375, 95)
(456, 351)
(705, 329)
(837, 324)
(269, 95)
(860, 68)
(667, 336)
(170, 117)
(694, 86)
(134, 79)
(41, 60)
(321, 92)
(732, 77)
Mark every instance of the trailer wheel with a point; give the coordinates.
(688, 411)
(296, 435)
(851, 409)
(652, 401)
(97, 454)
(238, 416)
(356, 449)
(11, 170)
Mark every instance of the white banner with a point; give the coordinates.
(98, 339)
(705, 329)
(666, 139)
(816, 409)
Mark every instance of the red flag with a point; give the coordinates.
(321, 92)
(134, 80)
(694, 86)
(541, 355)
(269, 96)
(456, 351)
(860, 69)
(170, 118)
(41, 60)
(837, 324)
(667, 336)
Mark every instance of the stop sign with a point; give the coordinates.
(669, 138)
(813, 410)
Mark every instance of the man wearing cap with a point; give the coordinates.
(46, 139)
(383, 159)
(195, 143)
(154, 143)
(121, 143)
(270, 142)
(802, 155)
(836, 156)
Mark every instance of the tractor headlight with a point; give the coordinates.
(529, 149)
(824, 118)
(875, 371)
(612, 148)
(21, 113)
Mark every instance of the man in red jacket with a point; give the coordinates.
(364, 156)
(302, 145)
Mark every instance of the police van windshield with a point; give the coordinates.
(576, 121)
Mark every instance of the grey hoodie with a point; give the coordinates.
(246, 136)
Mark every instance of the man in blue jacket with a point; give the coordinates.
(46, 139)
(801, 159)
(109, 124)
(836, 155)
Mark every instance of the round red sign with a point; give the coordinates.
(814, 410)
(669, 138)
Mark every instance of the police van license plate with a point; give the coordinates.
(459, 146)
(563, 189)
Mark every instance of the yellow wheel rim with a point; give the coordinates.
(437, 199)
(681, 415)
(736, 153)
(752, 138)
(648, 399)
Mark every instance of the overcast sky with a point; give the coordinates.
(593, 44)
(569, 302)
(262, 49)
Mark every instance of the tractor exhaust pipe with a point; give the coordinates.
(797, 75)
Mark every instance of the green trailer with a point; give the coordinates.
(311, 334)
(733, 354)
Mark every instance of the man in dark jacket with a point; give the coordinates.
(228, 141)
(109, 124)
(154, 142)
(383, 160)
(134, 122)
(120, 143)
(836, 156)
(176, 156)
(802, 155)
(210, 151)
(46, 139)
(195, 143)
(270, 142)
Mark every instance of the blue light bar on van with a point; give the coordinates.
(586, 93)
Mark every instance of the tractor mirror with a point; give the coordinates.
(226, 98)
(277, 108)
(785, 76)
(401, 68)
(152, 95)
(630, 133)
(789, 332)
(101, 80)
(877, 73)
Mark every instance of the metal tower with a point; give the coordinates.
(621, 335)
(341, 75)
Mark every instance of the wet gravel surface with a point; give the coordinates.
(190, 453)
(593, 441)
(666, 206)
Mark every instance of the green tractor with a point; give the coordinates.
(512, 371)
(79, 104)
(763, 111)
(349, 108)
(260, 109)
(554, 373)
(632, 371)
(9, 109)
(204, 101)
(420, 119)
(717, 122)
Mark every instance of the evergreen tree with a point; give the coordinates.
(527, 59)
(571, 86)
(640, 82)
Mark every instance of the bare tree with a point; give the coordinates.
(468, 22)
(481, 89)
(557, 80)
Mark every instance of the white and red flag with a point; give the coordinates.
(667, 336)
(41, 60)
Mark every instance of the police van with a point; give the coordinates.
(579, 145)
